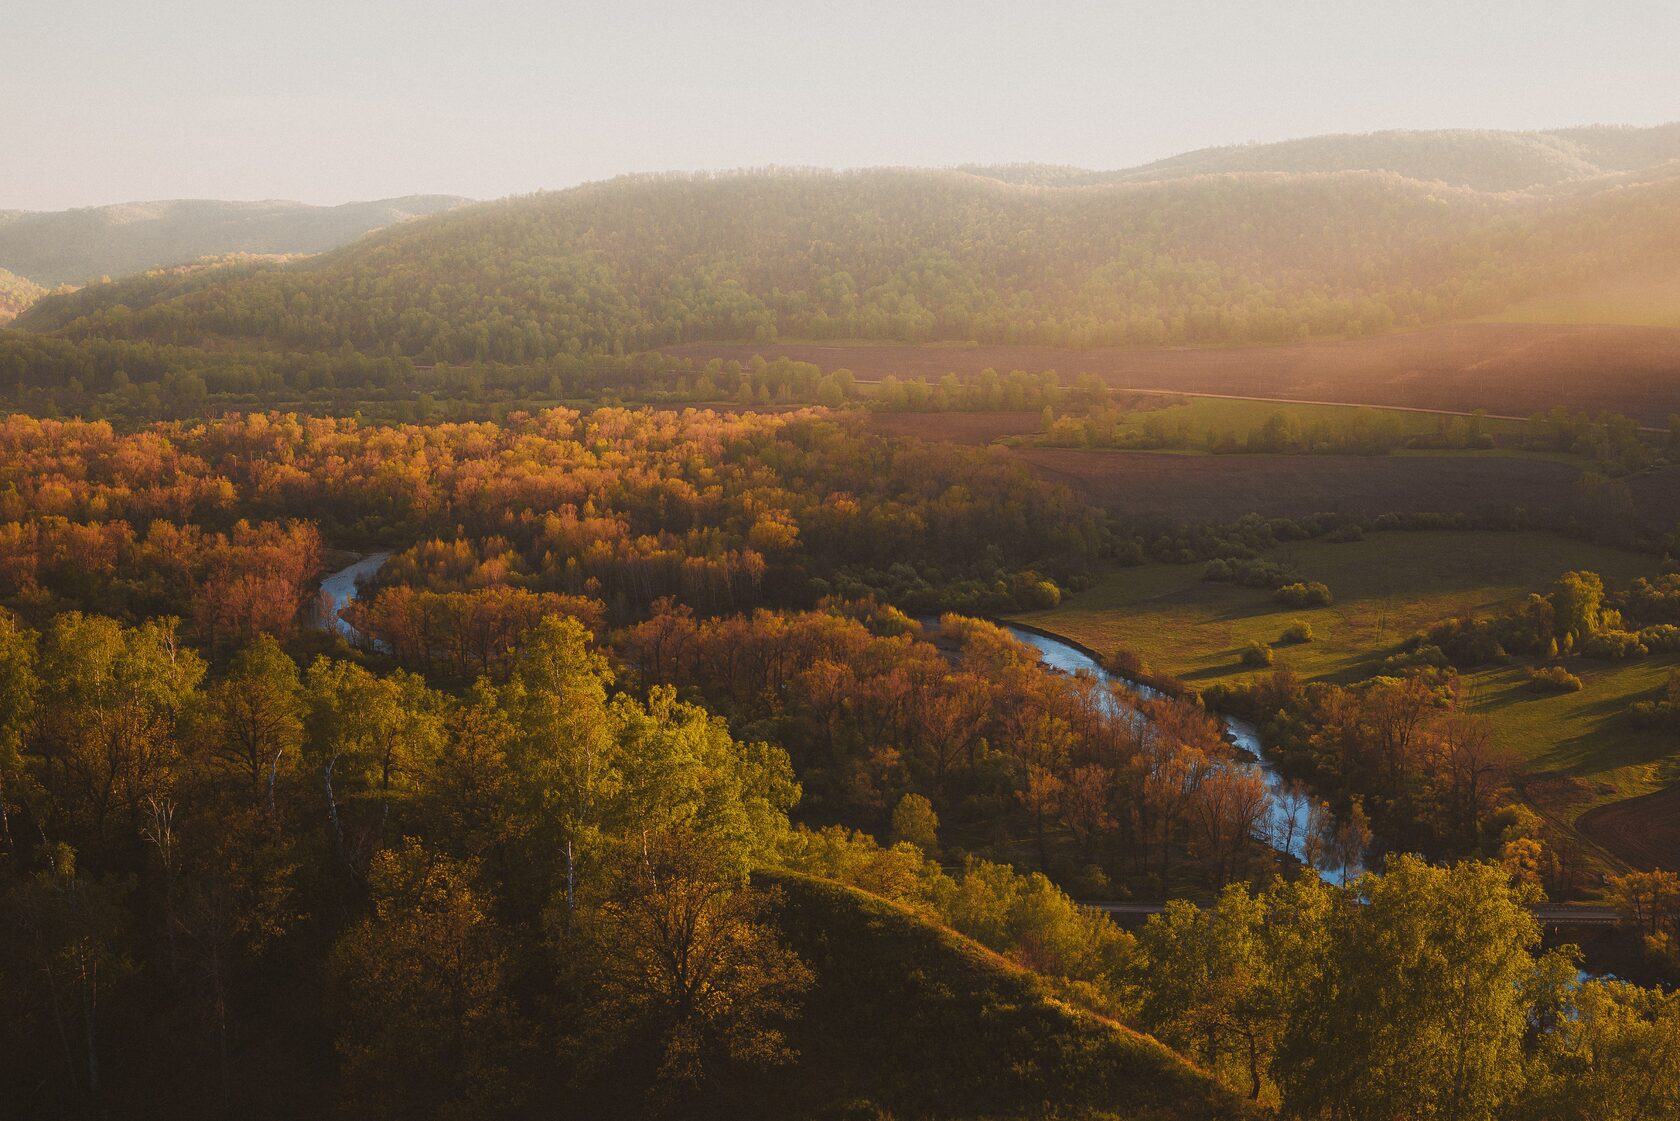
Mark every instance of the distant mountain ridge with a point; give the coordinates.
(1481, 159)
(75, 246)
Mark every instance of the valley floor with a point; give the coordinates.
(1575, 756)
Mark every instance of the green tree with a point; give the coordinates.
(1417, 1006)
(1210, 985)
(1577, 607)
(687, 966)
(914, 822)
(258, 709)
(19, 686)
(110, 706)
(1613, 1054)
(418, 990)
(564, 750)
(370, 738)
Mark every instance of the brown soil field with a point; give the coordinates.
(960, 428)
(1514, 369)
(1224, 487)
(1643, 831)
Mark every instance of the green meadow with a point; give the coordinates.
(1572, 750)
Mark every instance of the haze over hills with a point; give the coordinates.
(1483, 159)
(74, 246)
(912, 256)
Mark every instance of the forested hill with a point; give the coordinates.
(16, 293)
(906, 255)
(74, 246)
(1483, 159)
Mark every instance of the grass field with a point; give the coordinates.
(1638, 302)
(1200, 415)
(1573, 751)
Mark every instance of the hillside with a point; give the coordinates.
(909, 1020)
(910, 256)
(16, 293)
(74, 246)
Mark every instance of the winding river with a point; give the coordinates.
(1286, 824)
(340, 588)
(1286, 821)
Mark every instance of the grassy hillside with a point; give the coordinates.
(906, 255)
(910, 1020)
(1483, 159)
(74, 246)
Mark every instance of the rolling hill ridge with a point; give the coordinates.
(75, 246)
(911, 256)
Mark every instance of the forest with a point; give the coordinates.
(548, 832)
(636, 263)
(693, 742)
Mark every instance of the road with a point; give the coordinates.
(1550, 914)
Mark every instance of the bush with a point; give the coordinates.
(1614, 645)
(1416, 654)
(1298, 630)
(1311, 594)
(1128, 664)
(1553, 679)
(1663, 638)
(1257, 654)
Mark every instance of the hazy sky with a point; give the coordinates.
(111, 100)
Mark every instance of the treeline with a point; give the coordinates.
(912, 256)
(1576, 617)
(1400, 751)
(141, 381)
(1422, 991)
(727, 512)
(1613, 443)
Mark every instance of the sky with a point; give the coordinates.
(115, 100)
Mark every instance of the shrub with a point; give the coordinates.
(1128, 664)
(1416, 655)
(1310, 594)
(1614, 645)
(1662, 638)
(1553, 679)
(1257, 654)
(1298, 630)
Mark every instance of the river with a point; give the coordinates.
(340, 588)
(1286, 824)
